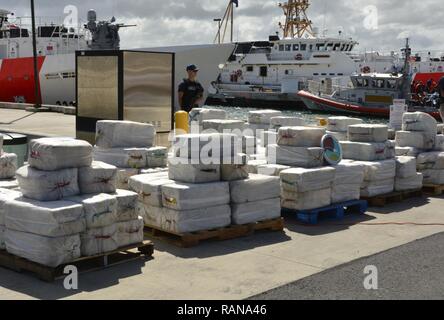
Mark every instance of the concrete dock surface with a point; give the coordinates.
(235, 269)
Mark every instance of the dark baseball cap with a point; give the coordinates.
(192, 67)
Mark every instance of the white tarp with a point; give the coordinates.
(53, 154)
(99, 240)
(149, 188)
(419, 140)
(255, 188)
(439, 143)
(48, 185)
(47, 251)
(124, 134)
(368, 151)
(193, 173)
(411, 183)
(433, 177)
(430, 160)
(345, 192)
(123, 176)
(251, 212)
(349, 173)
(8, 165)
(272, 169)
(181, 196)
(300, 180)
(99, 177)
(50, 219)
(223, 126)
(340, 136)
(300, 136)
(277, 122)
(126, 205)
(341, 124)
(295, 156)
(419, 121)
(306, 200)
(263, 116)
(405, 167)
(130, 232)
(208, 218)
(200, 115)
(252, 166)
(135, 158)
(379, 170)
(368, 133)
(100, 210)
(407, 151)
(157, 157)
(377, 187)
(5, 196)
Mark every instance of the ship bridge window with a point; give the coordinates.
(320, 46)
(250, 69)
(281, 47)
(391, 84)
(343, 47)
(288, 47)
(351, 47)
(311, 47)
(362, 83)
(329, 47)
(336, 47)
(347, 47)
(378, 83)
(303, 47)
(296, 47)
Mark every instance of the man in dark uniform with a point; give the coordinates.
(440, 89)
(190, 90)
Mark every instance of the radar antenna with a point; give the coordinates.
(296, 19)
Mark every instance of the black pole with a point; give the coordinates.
(38, 100)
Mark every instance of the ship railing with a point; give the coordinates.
(327, 87)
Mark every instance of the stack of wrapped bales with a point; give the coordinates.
(5, 196)
(349, 177)
(298, 147)
(270, 137)
(306, 189)
(8, 163)
(338, 126)
(407, 179)
(370, 147)
(68, 206)
(224, 126)
(261, 119)
(128, 146)
(198, 115)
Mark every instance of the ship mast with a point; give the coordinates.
(296, 19)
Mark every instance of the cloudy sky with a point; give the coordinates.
(376, 24)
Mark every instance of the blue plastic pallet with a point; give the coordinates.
(333, 212)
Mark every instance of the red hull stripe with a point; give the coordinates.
(17, 79)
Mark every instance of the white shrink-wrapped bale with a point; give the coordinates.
(181, 196)
(124, 134)
(340, 136)
(157, 157)
(2, 237)
(430, 160)
(236, 171)
(130, 232)
(440, 128)
(349, 173)
(199, 115)
(405, 167)
(51, 154)
(11, 184)
(223, 126)
(269, 138)
(272, 169)
(255, 188)
(251, 212)
(345, 192)
(99, 177)
(368, 133)
(390, 149)
(257, 128)
(300, 136)
(149, 188)
(299, 180)
(198, 146)
(377, 187)
(135, 158)
(419, 121)
(123, 176)
(341, 124)
(306, 200)
(100, 210)
(8, 165)
(277, 122)
(186, 221)
(419, 140)
(414, 182)
(407, 151)
(379, 170)
(433, 177)
(48, 251)
(249, 144)
(193, 173)
(99, 240)
(263, 116)
(252, 165)
(50, 219)
(295, 156)
(5, 196)
(126, 205)
(48, 185)
(154, 170)
(439, 143)
(367, 151)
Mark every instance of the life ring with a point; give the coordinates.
(366, 69)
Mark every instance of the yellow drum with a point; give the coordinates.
(181, 121)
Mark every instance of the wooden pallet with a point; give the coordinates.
(394, 197)
(432, 189)
(333, 212)
(83, 264)
(188, 240)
